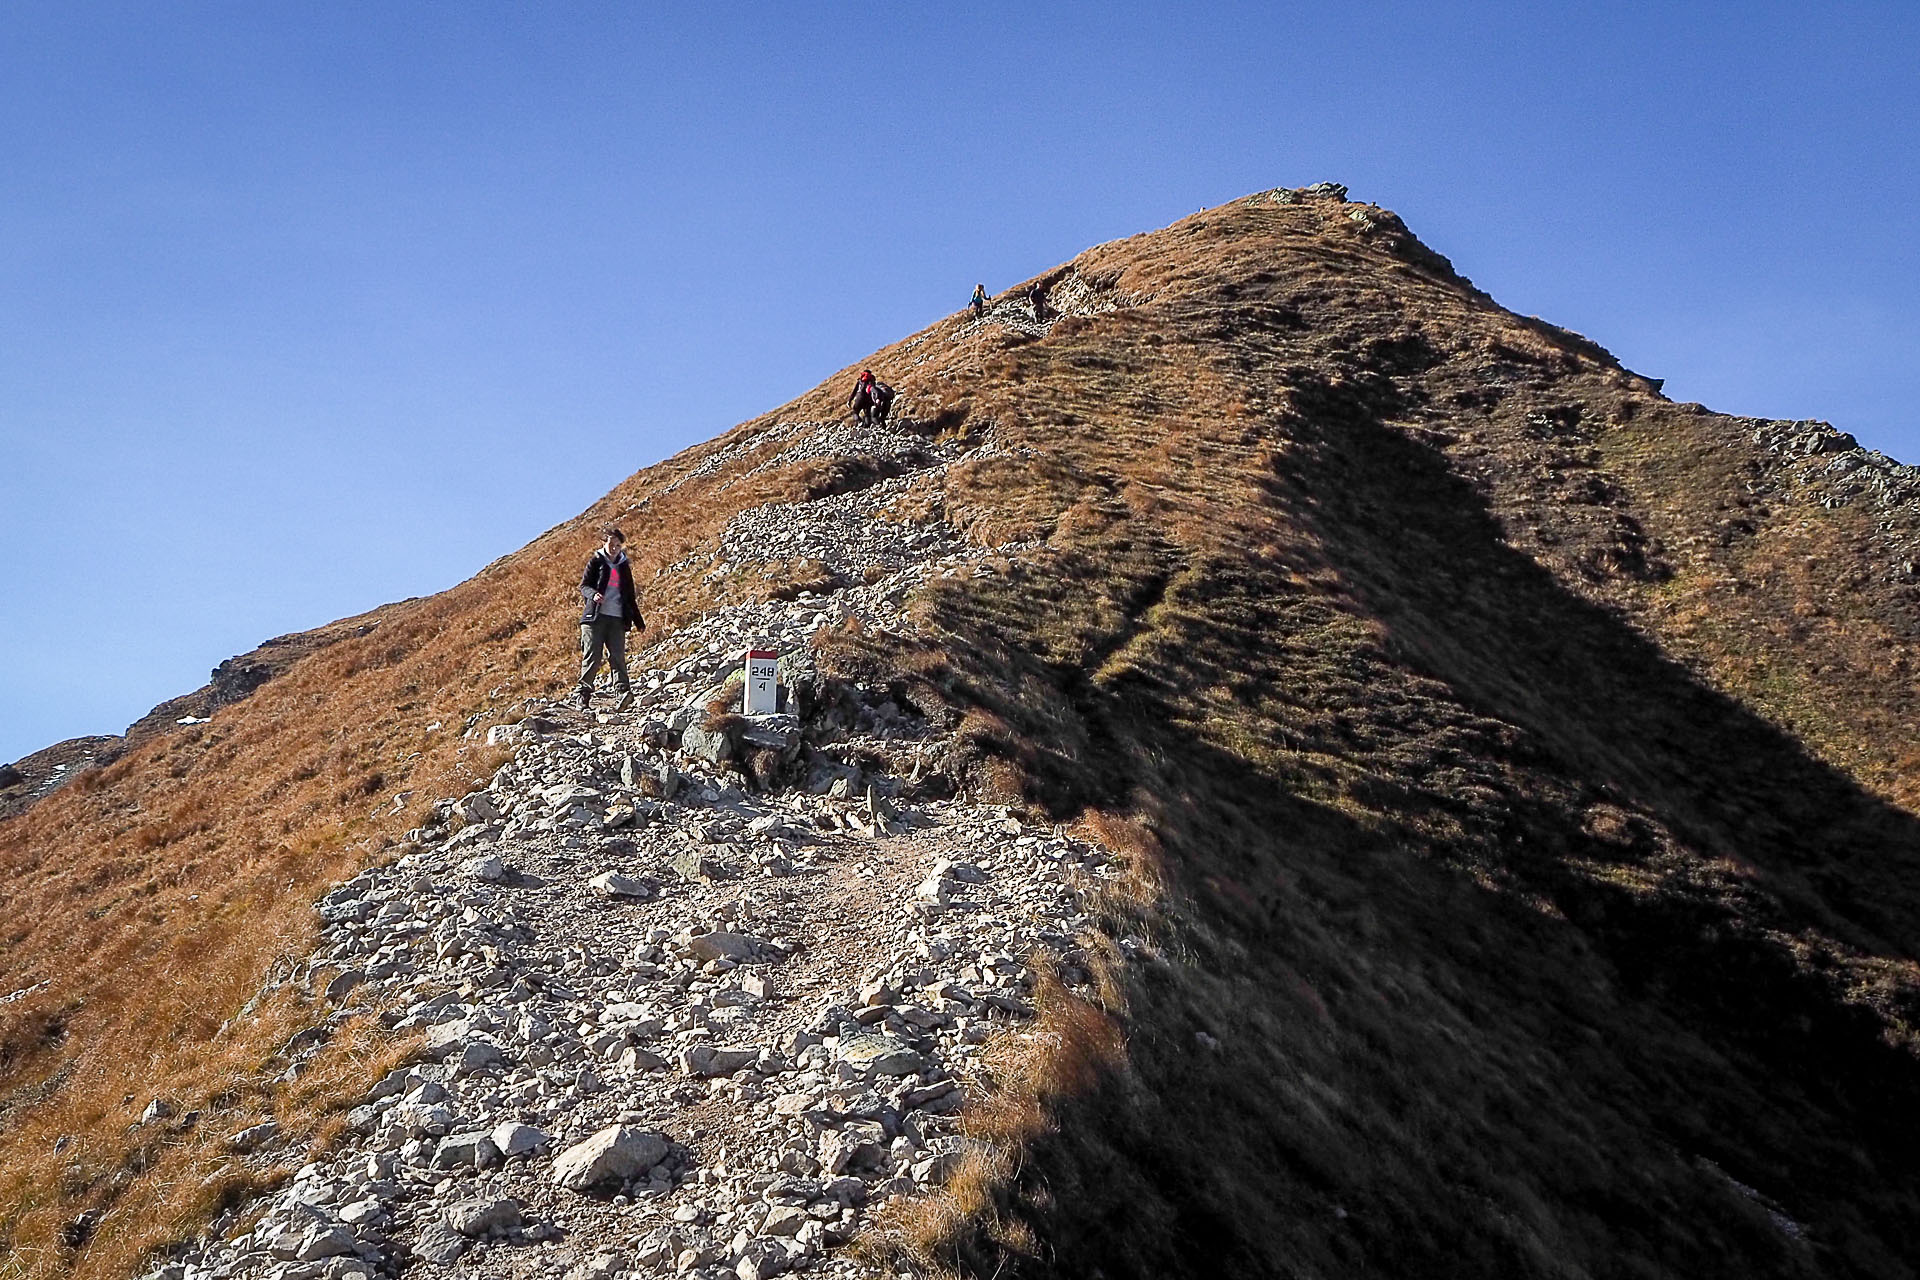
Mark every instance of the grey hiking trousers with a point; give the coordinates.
(606, 635)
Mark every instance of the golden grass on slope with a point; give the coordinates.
(1069, 1050)
(155, 896)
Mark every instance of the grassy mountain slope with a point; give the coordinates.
(35, 776)
(1534, 938)
(1514, 764)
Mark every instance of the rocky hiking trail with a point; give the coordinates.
(697, 993)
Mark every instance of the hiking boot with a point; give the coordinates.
(586, 699)
(626, 700)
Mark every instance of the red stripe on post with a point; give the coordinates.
(762, 653)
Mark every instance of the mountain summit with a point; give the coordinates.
(1286, 768)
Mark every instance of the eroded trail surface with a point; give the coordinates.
(697, 993)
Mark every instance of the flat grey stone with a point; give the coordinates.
(612, 884)
(473, 1218)
(612, 1155)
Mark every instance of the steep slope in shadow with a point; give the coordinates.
(1520, 994)
(1500, 942)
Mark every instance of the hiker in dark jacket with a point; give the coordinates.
(608, 611)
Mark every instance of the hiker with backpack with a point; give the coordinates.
(979, 302)
(870, 400)
(1037, 299)
(609, 610)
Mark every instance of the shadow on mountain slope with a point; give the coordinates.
(1526, 952)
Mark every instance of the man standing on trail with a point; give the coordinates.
(609, 610)
(979, 301)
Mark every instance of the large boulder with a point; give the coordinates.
(612, 1155)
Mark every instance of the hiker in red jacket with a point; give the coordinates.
(870, 400)
(609, 610)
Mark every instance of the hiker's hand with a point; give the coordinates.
(597, 597)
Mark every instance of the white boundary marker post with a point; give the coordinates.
(763, 682)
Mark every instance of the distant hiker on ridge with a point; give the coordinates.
(1037, 299)
(871, 399)
(608, 611)
(979, 302)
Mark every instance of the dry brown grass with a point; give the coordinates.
(1066, 1052)
(1140, 852)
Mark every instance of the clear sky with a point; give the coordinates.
(308, 307)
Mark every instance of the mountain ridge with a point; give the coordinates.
(38, 773)
(1508, 762)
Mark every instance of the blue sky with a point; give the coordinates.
(304, 308)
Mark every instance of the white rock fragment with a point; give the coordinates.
(488, 868)
(515, 1139)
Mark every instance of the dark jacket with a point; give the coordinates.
(595, 580)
